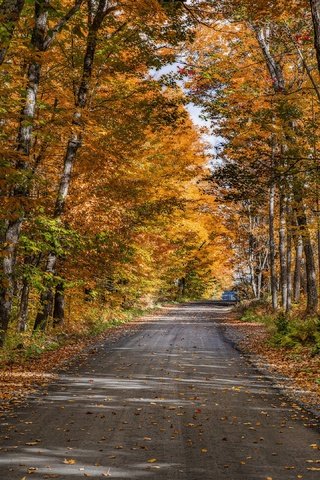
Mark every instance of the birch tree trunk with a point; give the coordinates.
(263, 36)
(7, 282)
(24, 306)
(315, 10)
(289, 259)
(251, 257)
(282, 251)
(273, 274)
(298, 270)
(10, 11)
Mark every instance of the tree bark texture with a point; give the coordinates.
(282, 251)
(24, 306)
(311, 277)
(59, 305)
(315, 10)
(289, 263)
(46, 297)
(275, 70)
(7, 277)
(298, 269)
(273, 274)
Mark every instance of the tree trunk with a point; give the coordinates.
(24, 306)
(58, 307)
(318, 239)
(73, 146)
(28, 112)
(298, 270)
(46, 298)
(303, 274)
(282, 252)
(30, 261)
(252, 267)
(315, 10)
(259, 284)
(263, 36)
(182, 286)
(311, 277)
(289, 263)
(12, 233)
(10, 11)
(273, 274)
(7, 282)
(46, 302)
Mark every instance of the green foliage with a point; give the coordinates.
(250, 316)
(50, 236)
(282, 324)
(20, 347)
(100, 320)
(256, 312)
(296, 333)
(286, 332)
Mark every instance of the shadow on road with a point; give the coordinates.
(172, 401)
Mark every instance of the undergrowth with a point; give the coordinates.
(21, 347)
(285, 331)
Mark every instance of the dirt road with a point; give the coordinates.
(172, 401)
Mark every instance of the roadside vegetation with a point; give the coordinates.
(294, 333)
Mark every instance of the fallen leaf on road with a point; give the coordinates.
(69, 461)
(152, 460)
(32, 469)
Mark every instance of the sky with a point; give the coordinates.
(195, 112)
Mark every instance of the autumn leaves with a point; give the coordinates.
(99, 165)
(257, 79)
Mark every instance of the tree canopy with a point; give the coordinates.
(110, 196)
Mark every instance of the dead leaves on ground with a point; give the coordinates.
(302, 369)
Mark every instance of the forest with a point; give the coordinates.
(112, 198)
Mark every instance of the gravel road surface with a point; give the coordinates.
(173, 400)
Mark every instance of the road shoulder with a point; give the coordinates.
(294, 374)
(20, 379)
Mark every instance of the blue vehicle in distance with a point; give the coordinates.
(229, 296)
